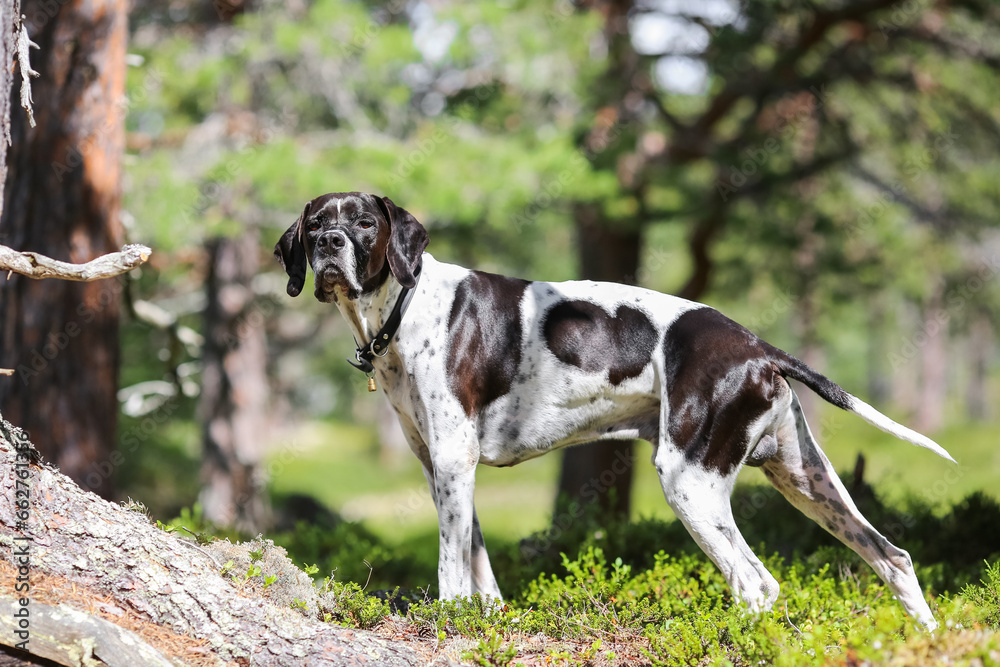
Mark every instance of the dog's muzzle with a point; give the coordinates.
(334, 266)
(331, 242)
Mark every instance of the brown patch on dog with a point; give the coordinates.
(719, 379)
(583, 334)
(484, 338)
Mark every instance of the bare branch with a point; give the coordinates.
(38, 266)
(24, 46)
(955, 46)
(943, 221)
(757, 84)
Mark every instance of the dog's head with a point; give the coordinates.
(353, 241)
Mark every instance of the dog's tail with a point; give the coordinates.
(830, 391)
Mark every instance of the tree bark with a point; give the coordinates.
(933, 365)
(879, 387)
(699, 246)
(88, 562)
(980, 348)
(62, 199)
(10, 11)
(806, 261)
(601, 471)
(234, 394)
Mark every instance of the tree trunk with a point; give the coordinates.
(10, 11)
(62, 198)
(810, 349)
(699, 247)
(806, 260)
(609, 250)
(602, 471)
(234, 396)
(933, 344)
(877, 373)
(981, 346)
(88, 563)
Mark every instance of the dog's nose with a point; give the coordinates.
(334, 240)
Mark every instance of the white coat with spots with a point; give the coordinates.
(489, 369)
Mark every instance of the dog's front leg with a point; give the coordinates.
(483, 581)
(454, 487)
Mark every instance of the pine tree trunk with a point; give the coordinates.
(806, 261)
(932, 342)
(62, 198)
(878, 383)
(234, 395)
(10, 11)
(602, 471)
(979, 402)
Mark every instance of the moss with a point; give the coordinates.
(260, 568)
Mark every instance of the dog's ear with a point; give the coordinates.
(291, 253)
(407, 240)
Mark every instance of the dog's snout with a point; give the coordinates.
(334, 240)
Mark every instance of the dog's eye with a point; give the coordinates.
(365, 224)
(313, 226)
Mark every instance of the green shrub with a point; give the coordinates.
(986, 596)
(347, 604)
(355, 554)
(612, 590)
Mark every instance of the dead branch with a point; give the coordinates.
(24, 46)
(38, 266)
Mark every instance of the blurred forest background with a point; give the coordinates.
(823, 172)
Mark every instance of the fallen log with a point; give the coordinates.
(89, 582)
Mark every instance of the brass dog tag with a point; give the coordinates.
(371, 383)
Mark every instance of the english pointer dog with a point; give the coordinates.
(482, 368)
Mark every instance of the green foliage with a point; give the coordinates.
(471, 617)
(490, 652)
(664, 608)
(950, 543)
(137, 507)
(347, 604)
(674, 614)
(161, 441)
(355, 554)
(232, 129)
(986, 595)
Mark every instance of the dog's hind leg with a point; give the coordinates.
(803, 474)
(701, 500)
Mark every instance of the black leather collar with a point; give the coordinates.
(379, 344)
